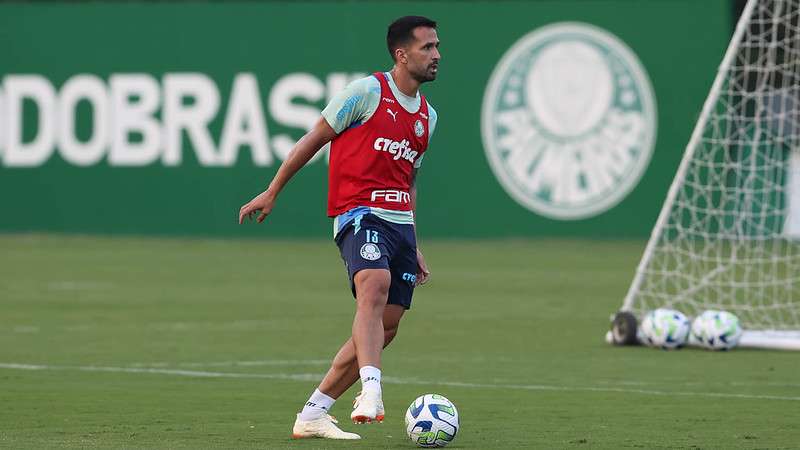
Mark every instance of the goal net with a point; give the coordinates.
(728, 235)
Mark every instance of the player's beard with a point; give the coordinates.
(427, 74)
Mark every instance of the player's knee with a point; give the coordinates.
(372, 300)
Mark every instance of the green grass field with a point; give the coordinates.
(178, 343)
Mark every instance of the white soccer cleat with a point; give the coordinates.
(324, 427)
(368, 408)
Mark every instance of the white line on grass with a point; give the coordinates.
(392, 380)
(25, 329)
(178, 372)
(73, 285)
(257, 363)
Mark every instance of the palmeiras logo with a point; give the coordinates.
(370, 252)
(419, 129)
(568, 121)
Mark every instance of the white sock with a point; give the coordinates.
(317, 405)
(370, 378)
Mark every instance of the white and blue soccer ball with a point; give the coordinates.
(665, 328)
(432, 421)
(716, 330)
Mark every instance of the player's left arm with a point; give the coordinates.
(423, 273)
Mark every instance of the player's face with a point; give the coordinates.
(423, 54)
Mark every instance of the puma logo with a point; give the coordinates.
(394, 114)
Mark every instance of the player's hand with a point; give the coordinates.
(262, 203)
(423, 274)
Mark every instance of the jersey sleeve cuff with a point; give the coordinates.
(331, 122)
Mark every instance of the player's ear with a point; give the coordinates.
(400, 55)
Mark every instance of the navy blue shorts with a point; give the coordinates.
(370, 242)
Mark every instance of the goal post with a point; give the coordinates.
(728, 234)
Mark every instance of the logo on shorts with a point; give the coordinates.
(370, 252)
(568, 121)
(419, 129)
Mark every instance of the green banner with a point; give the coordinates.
(556, 118)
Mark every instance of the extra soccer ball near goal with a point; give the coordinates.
(728, 235)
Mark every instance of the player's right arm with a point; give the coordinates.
(303, 151)
(355, 104)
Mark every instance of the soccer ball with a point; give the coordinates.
(665, 328)
(717, 330)
(432, 421)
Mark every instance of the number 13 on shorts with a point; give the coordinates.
(372, 236)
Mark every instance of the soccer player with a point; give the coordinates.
(379, 128)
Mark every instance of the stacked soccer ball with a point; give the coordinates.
(670, 329)
(665, 328)
(716, 330)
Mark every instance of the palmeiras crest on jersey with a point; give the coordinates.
(419, 129)
(568, 121)
(370, 252)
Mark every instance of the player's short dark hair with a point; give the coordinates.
(401, 31)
